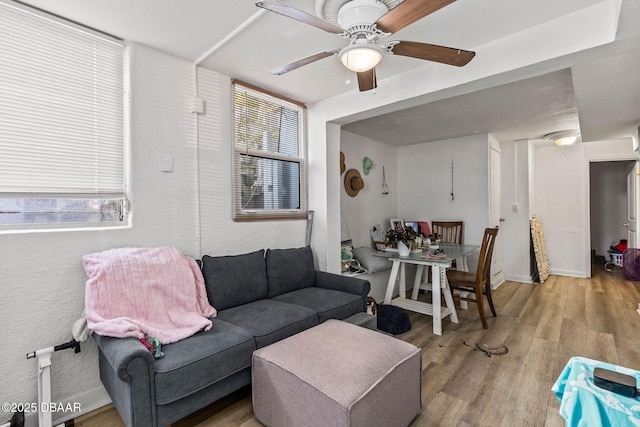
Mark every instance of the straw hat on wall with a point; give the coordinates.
(353, 182)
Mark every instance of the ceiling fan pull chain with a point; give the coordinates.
(348, 81)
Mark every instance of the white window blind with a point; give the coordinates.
(61, 121)
(269, 156)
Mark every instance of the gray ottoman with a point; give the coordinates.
(337, 374)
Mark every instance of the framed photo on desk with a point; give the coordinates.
(397, 224)
(414, 225)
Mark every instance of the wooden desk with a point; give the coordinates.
(438, 280)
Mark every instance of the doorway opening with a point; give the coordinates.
(609, 207)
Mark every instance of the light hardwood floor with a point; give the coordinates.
(543, 325)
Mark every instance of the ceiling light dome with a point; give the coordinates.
(563, 138)
(363, 56)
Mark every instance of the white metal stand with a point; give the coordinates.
(44, 379)
(44, 386)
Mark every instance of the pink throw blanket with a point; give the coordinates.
(157, 292)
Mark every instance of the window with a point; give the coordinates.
(269, 156)
(62, 145)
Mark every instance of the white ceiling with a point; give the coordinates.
(597, 90)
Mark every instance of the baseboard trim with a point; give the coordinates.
(521, 279)
(89, 401)
(569, 273)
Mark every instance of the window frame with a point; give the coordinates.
(240, 214)
(84, 201)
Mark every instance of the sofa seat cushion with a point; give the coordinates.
(328, 303)
(235, 280)
(194, 363)
(270, 321)
(289, 270)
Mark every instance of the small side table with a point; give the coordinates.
(584, 404)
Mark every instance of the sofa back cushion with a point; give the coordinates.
(289, 270)
(235, 280)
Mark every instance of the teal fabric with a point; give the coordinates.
(584, 404)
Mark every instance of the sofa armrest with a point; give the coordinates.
(120, 351)
(337, 282)
(127, 371)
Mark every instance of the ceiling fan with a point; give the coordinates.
(363, 23)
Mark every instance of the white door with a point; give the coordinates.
(497, 275)
(632, 204)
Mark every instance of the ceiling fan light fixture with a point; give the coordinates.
(564, 141)
(563, 138)
(360, 57)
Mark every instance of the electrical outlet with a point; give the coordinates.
(515, 207)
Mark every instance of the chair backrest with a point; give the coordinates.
(451, 231)
(486, 254)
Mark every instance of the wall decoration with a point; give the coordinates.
(540, 251)
(385, 187)
(452, 196)
(343, 166)
(367, 164)
(353, 182)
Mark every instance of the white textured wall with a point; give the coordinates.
(424, 184)
(41, 274)
(514, 230)
(561, 198)
(370, 206)
(220, 234)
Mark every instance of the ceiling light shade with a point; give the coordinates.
(563, 138)
(361, 57)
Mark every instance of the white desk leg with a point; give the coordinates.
(462, 264)
(402, 286)
(448, 298)
(417, 281)
(463, 304)
(392, 281)
(435, 295)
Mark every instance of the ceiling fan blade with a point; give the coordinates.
(432, 52)
(304, 61)
(367, 80)
(408, 12)
(299, 15)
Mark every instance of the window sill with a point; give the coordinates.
(55, 230)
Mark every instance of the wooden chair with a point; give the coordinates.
(474, 286)
(450, 231)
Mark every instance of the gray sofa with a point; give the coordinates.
(261, 297)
